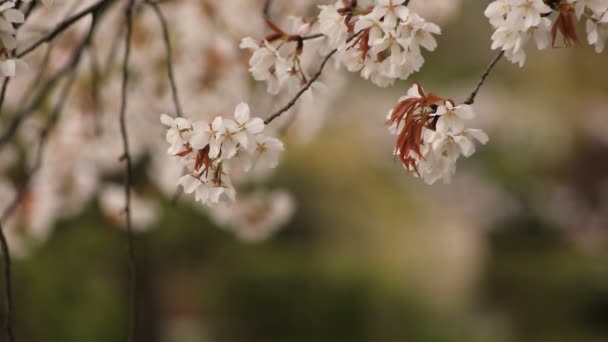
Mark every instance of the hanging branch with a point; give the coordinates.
(96, 88)
(95, 11)
(68, 70)
(8, 286)
(3, 90)
(66, 24)
(266, 8)
(71, 68)
(19, 197)
(126, 157)
(170, 72)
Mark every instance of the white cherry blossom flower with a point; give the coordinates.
(451, 118)
(597, 33)
(333, 25)
(178, 134)
(267, 151)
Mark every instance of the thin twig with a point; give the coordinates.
(170, 72)
(312, 36)
(56, 77)
(95, 89)
(8, 286)
(3, 91)
(314, 78)
(483, 78)
(126, 157)
(64, 92)
(54, 117)
(7, 80)
(64, 25)
(266, 10)
(6, 259)
(39, 75)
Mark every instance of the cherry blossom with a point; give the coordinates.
(431, 134)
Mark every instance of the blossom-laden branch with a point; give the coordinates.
(307, 86)
(431, 134)
(386, 46)
(128, 181)
(516, 23)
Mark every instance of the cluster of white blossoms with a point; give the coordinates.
(431, 134)
(8, 41)
(597, 23)
(383, 42)
(10, 16)
(516, 22)
(210, 151)
(383, 45)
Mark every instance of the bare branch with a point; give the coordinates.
(64, 25)
(126, 157)
(4, 89)
(170, 71)
(8, 286)
(44, 134)
(266, 10)
(95, 89)
(483, 78)
(54, 117)
(6, 260)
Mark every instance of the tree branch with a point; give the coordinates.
(482, 79)
(170, 71)
(64, 25)
(314, 78)
(126, 157)
(8, 286)
(266, 10)
(6, 260)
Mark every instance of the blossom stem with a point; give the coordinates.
(314, 78)
(471, 99)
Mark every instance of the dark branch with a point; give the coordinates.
(313, 36)
(8, 286)
(483, 78)
(64, 25)
(6, 260)
(126, 157)
(170, 71)
(3, 90)
(266, 10)
(54, 117)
